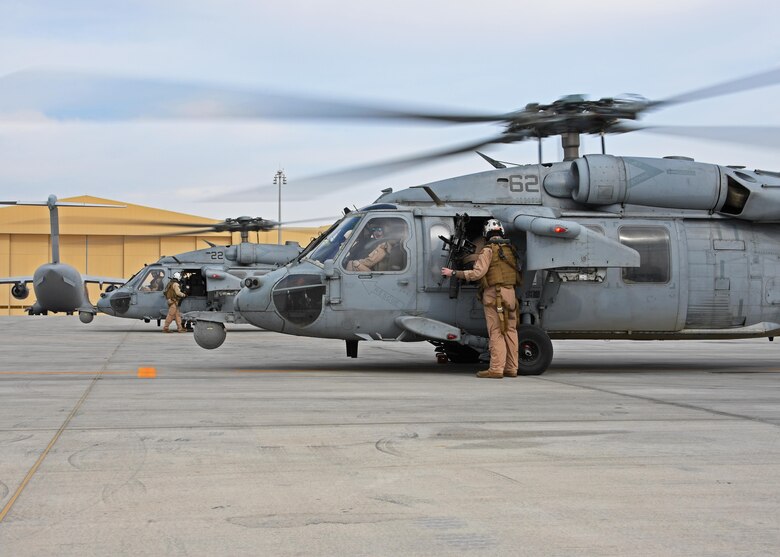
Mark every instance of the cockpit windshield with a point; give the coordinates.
(330, 246)
(133, 281)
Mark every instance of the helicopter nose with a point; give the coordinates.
(118, 302)
(104, 304)
(282, 300)
(254, 305)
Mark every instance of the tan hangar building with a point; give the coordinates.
(104, 241)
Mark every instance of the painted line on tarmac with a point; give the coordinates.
(44, 454)
(66, 372)
(285, 370)
(655, 400)
(96, 377)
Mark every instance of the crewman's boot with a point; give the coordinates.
(487, 374)
(166, 330)
(508, 373)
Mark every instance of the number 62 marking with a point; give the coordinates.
(523, 183)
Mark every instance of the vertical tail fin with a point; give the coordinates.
(55, 228)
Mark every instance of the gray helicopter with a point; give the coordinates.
(211, 277)
(58, 287)
(612, 247)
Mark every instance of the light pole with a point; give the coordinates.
(279, 180)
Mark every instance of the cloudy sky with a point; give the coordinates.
(487, 56)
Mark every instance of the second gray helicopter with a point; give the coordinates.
(211, 277)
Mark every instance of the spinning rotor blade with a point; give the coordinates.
(756, 81)
(190, 232)
(760, 136)
(347, 177)
(69, 96)
(328, 219)
(235, 226)
(61, 204)
(176, 224)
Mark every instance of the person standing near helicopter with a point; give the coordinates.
(497, 268)
(174, 296)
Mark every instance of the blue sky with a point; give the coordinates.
(491, 56)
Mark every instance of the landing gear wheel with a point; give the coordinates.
(535, 350)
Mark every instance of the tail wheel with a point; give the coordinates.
(535, 350)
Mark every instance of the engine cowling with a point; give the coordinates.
(673, 183)
(668, 183)
(262, 254)
(20, 291)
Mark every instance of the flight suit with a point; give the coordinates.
(173, 295)
(372, 261)
(156, 284)
(496, 267)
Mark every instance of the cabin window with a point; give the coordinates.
(654, 246)
(380, 247)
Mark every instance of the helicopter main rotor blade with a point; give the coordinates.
(201, 231)
(760, 136)
(223, 227)
(79, 96)
(347, 177)
(328, 219)
(756, 81)
(176, 224)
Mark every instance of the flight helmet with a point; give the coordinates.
(493, 228)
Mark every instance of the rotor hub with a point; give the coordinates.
(573, 114)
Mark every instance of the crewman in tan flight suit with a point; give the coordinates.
(380, 254)
(497, 268)
(174, 295)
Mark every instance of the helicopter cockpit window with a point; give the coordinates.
(330, 246)
(379, 247)
(654, 247)
(153, 281)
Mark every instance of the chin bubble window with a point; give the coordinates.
(298, 298)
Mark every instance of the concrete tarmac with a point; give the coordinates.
(278, 445)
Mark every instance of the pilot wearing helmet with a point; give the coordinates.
(497, 270)
(174, 296)
(386, 256)
(156, 284)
